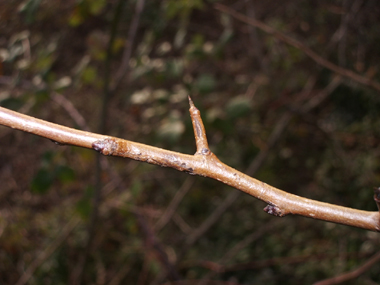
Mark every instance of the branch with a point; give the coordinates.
(310, 53)
(203, 163)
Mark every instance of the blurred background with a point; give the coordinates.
(125, 68)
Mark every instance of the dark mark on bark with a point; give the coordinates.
(274, 210)
(58, 143)
(106, 146)
(198, 129)
(377, 194)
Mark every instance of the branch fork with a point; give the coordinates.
(203, 163)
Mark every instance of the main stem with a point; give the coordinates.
(203, 163)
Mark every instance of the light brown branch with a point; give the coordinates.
(199, 130)
(310, 53)
(207, 164)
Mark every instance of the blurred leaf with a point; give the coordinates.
(136, 188)
(47, 157)
(205, 83)
(83, 206)
(41, 96)
(76, 18)
(29, 9)
(181, 7)
(96, 6)
(65, 173)
(85, 8)
(239, 106)
(62, 83)
(43, 63)
(174, 68)
(89, 75)
(42, 181)
(172, 128)
(12, 103)
(117, 45)
(141, 96)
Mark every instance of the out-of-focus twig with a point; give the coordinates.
(170, 210)
(256, 42)
(219, 268)
(313, 55)
(352, 274)
(124, 66)
(152, 241)
(71, 110)
(49, 250)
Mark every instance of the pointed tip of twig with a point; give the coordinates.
(190, 101)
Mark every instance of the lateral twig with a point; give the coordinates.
(199, 130)
(208, 165)
(279, 128)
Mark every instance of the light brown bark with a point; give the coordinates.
(203, 163)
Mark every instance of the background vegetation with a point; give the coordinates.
(60, 59)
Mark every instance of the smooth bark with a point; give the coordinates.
(203, 163)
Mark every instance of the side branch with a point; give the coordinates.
(203, 163)
(199, 130)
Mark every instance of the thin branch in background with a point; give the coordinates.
(314, 56)
(322, 95)
(249, 239)
(277, 261)
(256, 42)
(170, 210)
(124, 66)
(118, 277)
(71, 110)
(211, 220)
(182, 225)
(341, 32)
(352, 274)
(49, 250)
(152, 242)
